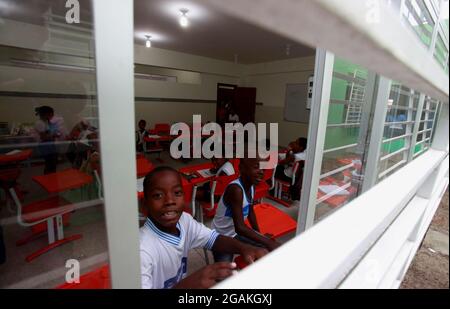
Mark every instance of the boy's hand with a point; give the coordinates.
(207, 276)
(251, 254)
(273, 244)
(268, 235)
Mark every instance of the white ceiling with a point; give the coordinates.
(210, 34)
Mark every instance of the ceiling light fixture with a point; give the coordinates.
(148, 42)
(184, 21)
(288, 49)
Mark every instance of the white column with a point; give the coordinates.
(115, 84)
(323, 75)
(376, 135)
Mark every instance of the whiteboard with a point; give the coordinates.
(295, 103)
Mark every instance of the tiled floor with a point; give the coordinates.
(48, 270)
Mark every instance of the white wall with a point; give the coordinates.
(270, 79)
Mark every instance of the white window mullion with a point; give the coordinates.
(376, 136)
(113, 21)
(416, 127)
(323, 76)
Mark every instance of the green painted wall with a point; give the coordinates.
(340, 136)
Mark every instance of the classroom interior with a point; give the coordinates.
(180, 71)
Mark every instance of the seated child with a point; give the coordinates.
(221, 167)
(296, 152)
(140, 134)
(169, 234)
(236, 204)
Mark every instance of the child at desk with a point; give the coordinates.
(169, 234)
(221, 167)
(236, 205)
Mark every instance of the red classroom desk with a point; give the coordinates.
(143, 167)
(272, 221)
(20, 156)
(337, 200)
(160, 138)
(57, 210)
(194, 170)
(63, 180)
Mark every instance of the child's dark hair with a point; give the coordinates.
(42, 110)
(303, 142)
(148, 178)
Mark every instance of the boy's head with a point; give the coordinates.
(302, 143)
(164, 197)
(142, 124)
(44, 112)
(299, 145)
(250, 170)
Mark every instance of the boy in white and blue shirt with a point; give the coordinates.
(236, 206)
(169, 234)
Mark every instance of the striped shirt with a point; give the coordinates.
(223, 220)
(164, 256)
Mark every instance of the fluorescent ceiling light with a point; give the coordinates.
(184, 21)
(148, 42)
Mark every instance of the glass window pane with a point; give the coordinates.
(441, 52)
(426, 128)
(341, 172)
(51, 214)
(419, 18)
(398, 129)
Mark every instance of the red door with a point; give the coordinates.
(245, 104)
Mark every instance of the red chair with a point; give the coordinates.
(218, 186)
(96, 279)
(235, 163)
(282, 187)
(272, 221)
(10, 173)
(190, 192)
(263, 188)
(8, 180)
(44, 216)
(162, 129)
(152, 145)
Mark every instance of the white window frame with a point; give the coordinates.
(114, 47)
(350, 233)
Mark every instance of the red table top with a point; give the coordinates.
(160, 138)
(63, 180)
(193, 170)
(21, 156)
(337, 200)
(273, 221)
(143, 167)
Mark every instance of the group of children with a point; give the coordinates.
(169, 233)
